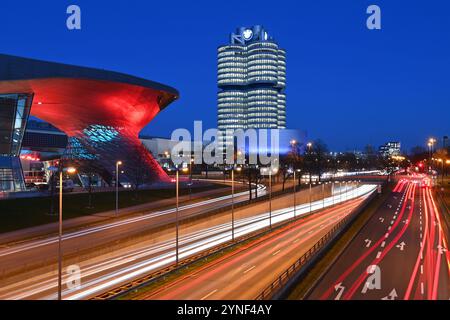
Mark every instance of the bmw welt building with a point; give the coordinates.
(101, 112)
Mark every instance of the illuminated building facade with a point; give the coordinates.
(251, 79)
(390, 149)
(101, 112)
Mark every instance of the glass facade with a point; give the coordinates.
(251, 77)
(14, 112)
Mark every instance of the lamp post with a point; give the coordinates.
(118, 163)
(295, 191)
(293, 144)
(431, 143)
(177, 220)
(309, 145)
(232, 200)
(323, 195)
(310, 197)
(69, 170)
(332, 192)
(271, 171)
(270, 198)
(190, 178)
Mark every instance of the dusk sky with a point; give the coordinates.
(347, 85)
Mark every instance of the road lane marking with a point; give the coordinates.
(249, 269)
(383, 244)
(276, 252)
(209, 294)
(422, 291)
(389, 228)
(421, 269)
(386, 235)
(379, 254)
(296, 240)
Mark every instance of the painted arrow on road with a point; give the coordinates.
(401, 246)
(391, 295)
(381, 220)
(368, 242)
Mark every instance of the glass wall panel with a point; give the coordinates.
(14, 112)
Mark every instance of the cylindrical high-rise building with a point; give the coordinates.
(251, 80)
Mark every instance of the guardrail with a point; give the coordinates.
(287, 275)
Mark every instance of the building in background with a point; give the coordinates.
(251, 79)
(390, 149)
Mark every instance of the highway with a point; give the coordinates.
(400, 254)
(243, 274)
(108, 269)
(13, 256)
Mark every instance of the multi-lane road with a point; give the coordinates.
(108, 269)
(245, 273)
(401, 253)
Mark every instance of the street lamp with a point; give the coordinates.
(176, 214)
(232, 200)
(309, 145)
(271, 171)
(310, 196)
(190, 177)
(323, 195)
(69, 170)
(431, 143)
(118, 163)
(295, 200)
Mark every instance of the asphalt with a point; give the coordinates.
(401, 253)
(109, 268)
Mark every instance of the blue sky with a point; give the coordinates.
(345, 84)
